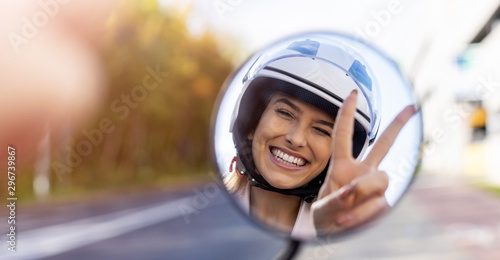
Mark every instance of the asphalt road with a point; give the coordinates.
(192, 223)
(438, 219)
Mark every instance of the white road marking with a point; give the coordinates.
(56, 239)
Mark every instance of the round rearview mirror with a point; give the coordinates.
(316, 135)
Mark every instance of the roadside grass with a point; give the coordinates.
(494, 189)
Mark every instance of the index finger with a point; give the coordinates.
(344, 128)
(384, 143)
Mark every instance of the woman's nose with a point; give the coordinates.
(297, 136)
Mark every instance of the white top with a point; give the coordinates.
(303, 227)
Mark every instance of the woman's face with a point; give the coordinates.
(292, 142)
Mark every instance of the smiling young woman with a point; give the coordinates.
(299, 129)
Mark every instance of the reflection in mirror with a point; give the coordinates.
(316, 135)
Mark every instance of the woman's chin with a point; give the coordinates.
(283, 184)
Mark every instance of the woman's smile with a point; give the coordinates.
(287, 160)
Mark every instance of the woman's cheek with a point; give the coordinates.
(323, 150)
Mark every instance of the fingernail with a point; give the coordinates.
(347, 191)
(417, 107)
(412, 109)
(343, 220)
(354, 91)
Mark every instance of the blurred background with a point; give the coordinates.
(119, 167)
(162, 82)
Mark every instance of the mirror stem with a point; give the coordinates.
(290, 250)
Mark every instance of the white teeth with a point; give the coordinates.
(287, 159)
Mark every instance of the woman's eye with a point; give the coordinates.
(284, 113)
(322, 131)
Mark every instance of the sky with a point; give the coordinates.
(401, 28)
(257, 23)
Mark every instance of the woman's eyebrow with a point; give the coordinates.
(288, 102)
(296, 108)
(323, 122)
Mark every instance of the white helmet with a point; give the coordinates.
(319, 71)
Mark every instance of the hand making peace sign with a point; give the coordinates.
(353, 191)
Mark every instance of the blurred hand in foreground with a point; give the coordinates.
(50, 70)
